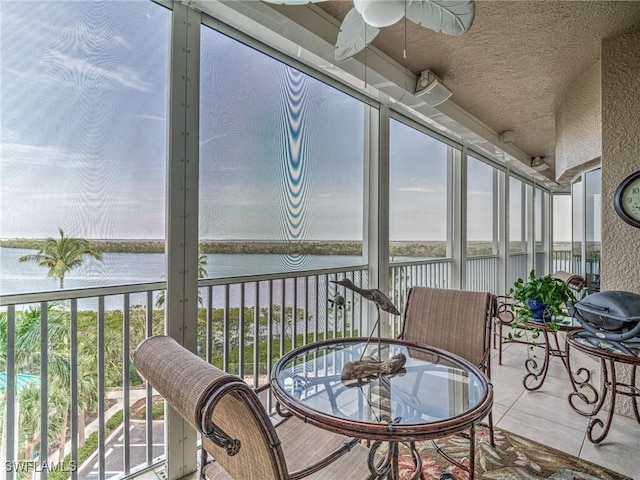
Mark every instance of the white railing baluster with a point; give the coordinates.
(10, 392)
(149, 399)
(44, 387)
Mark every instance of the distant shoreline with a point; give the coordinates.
(426, 249)
(266, 247)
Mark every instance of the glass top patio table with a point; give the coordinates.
(435, 394)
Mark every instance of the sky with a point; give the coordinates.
(83, 118)
(83, 142)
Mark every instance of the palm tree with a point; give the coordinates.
(29, 417)
(27, 360)
(28, 343)
(61, 255)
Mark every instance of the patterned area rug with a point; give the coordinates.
(514, 457)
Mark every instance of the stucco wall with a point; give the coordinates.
(578, 125)
(620, 157)
(620, 267)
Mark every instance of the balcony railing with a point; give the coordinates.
(81, 342)
(404, 275)
(84, 338)
(483, 273)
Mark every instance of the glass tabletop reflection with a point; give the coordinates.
(433, 386)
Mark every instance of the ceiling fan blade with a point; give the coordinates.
(293, 2)
(453, 17)
(354, 35)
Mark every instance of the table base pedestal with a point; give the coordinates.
(610, 387)
(586, 393)
(386, 468)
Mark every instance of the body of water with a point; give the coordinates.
(128, 268)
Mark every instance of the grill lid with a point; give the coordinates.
(611, 305)
(612, 317)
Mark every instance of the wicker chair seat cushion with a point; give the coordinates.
(304, 444)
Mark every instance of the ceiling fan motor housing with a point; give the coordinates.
(380, 13)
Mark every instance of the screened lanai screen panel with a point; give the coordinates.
(83, 140)
(593, 222)
(417, 194)
(481, 208)
(281, 165)
(517, 218)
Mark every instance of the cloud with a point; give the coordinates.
(38, 155)
(99, 38)
(416, 189)
(483, 193)
(123, 76)
(151, 117)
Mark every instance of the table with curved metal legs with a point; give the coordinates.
(550, 344)
(590, 396)
(435, 395)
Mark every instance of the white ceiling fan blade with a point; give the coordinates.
(354, 35)
(453, 17)
(293, 2)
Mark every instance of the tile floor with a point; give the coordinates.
(546, 416)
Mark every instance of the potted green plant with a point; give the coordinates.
(540, 298)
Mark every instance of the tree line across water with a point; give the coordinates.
(426, 249)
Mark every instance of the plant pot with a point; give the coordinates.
(537, 308)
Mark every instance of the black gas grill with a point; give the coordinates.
(611, 317)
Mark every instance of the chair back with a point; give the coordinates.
(455, 320)
(575, 281)
(234, 425)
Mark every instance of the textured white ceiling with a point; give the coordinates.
(512, 66)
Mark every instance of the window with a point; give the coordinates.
(577, 203)
(540, 200)
(593, 222)
(517, 216)
(281, 165)
(482, 208)
(84, 108)
(417, 194)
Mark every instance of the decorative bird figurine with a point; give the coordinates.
(376, 296)
(381, 301)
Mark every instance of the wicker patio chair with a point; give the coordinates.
(455, 320)
(504, 314)
(576, 282)
(236, 430)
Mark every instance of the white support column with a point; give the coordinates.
(457, 182)
(376, 197)
(547, 221)
(461, 207)
(498, 213)
(182, 219)
(528, 202)
(583, 234)
(505, 225)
